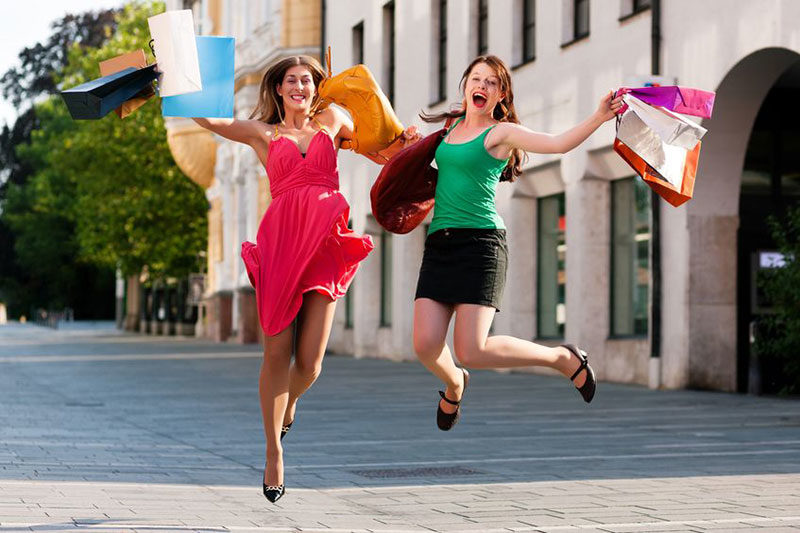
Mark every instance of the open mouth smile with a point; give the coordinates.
(479, 99)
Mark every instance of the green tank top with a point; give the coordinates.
(465, 190)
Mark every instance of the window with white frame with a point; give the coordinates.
(386, 279)
(581, 19)
(358, 43)
(483, 27)
(630, 257)
(629, 8)
(528, 30)
(439, 51)
(348, 297)
(389, 49)
(551, 311)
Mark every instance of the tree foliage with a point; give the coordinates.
(23, 281)
(105, 192)
(134, 207)
(778, 339)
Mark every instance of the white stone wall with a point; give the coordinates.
(552, 93)
(702, 43)
(736, 47)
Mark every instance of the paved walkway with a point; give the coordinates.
(103, 431)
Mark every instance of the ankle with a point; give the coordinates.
(566, 363)
(275, 455)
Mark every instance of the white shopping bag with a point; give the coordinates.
(671, 128)
(176, 52)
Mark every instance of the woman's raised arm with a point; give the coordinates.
(243, 131)
(517, 136)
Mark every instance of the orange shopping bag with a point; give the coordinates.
(655, 181)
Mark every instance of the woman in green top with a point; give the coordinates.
(464, 265)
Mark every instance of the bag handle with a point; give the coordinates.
(328, 61)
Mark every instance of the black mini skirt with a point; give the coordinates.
(464, 266)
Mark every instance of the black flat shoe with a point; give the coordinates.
(446, 421)
(273, 493)
(590, 385)
(285, 429)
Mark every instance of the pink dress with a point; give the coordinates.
(303, 242)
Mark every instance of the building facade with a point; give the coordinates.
(658, 295)
(580, 227)
(234, 180)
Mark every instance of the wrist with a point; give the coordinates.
(597, 118)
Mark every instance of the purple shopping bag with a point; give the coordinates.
(679, 99)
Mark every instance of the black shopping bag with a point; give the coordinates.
(94, 99)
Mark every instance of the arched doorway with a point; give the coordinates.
(770, 184)
(717, 318)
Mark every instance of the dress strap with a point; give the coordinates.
(453, 126)
(320, 126)
(276, 134)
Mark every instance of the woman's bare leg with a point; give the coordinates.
(431, 320)
(273, 389)
(313, 330)
(475, 349)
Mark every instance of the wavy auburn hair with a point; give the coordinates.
(270, 104)
(504, 110)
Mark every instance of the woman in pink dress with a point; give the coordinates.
(305, 256)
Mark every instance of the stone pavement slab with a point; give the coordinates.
(103, 431)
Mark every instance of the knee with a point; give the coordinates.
(427, 346)
(468, 354)
(310, 371)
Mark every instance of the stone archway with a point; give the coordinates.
(713, 218)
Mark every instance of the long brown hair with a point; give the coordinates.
(270, 104)
(504, 110)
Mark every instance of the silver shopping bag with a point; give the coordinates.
(176, 52)
(661, 138)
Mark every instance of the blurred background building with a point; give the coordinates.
(658, 295)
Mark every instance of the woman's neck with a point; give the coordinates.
(477, 120)
(295, 120)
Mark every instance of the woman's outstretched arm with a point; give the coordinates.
(243, 131)
(517, 136)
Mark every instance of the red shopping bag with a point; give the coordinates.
(655, 181)
(403, 194)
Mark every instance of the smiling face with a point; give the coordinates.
(297, 89)
(482, 89)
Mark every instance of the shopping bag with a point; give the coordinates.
(176, 52)
(375, 124)
(653, 145)
(94, 99)
(675, 195)
(684, 100)
(403, 194)
(134, 59)
(216, 55)
(670, 128)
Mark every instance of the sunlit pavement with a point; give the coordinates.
(104, 431)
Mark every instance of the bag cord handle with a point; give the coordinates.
(328, 61)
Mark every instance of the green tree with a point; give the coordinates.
(32, 280)
(122, 200)
(778, 336)
(134, 207)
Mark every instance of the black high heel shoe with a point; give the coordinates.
(273, 493)
(446, 421)
(285, 429)
(589, 386)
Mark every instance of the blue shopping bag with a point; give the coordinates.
(215, 55)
